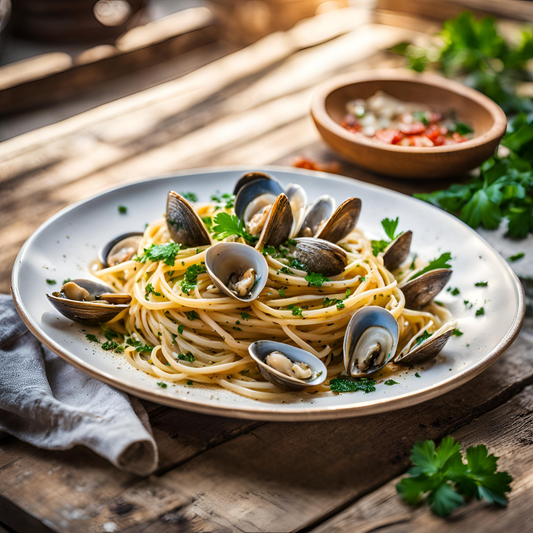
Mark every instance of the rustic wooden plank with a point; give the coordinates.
(274, 477)
(54, 76)
(507, 433)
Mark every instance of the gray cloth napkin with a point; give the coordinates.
(47, 402)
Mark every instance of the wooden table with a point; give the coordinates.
(216, 474)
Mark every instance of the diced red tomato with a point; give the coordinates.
(387, 136)
(432, 132)
(458, 138)
(439, 141)
(416, 128)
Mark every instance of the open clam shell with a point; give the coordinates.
(427, 349)
(298, 199)
(259, 351)
(320, 256)
(278, 225)
(341, 222)
(184, 224)
(224, 259)
(370, 341)
(398, 250)
(92, 312)
(255, 195)
(249, 177)
(316, 216)
(120, 249)
(421, 290)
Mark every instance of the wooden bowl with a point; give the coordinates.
(442, 95)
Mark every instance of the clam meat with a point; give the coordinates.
(243, 283)
(120, 249)
(280, 362)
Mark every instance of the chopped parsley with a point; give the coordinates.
(426, 335)
(192, 315)
(208, 221)
(160, 252)
(340, 385)
(180, 329)
(190, 280)
(92, 338)
(245, 316)
(447, 481)
(138, 345)
(480, 311)
(189, 357)
(190, 196)
(285, 270)
(417, 375)
(391, 382)
(516, 257)
(51, 281)
(226, 198)
(122, 209)
(226, 225)
(65, 281)
(296, 264)
(453, 292)
(112, 345)
(481, 283)
(150, 290)
(296, 311)
(315, 279)
(162, 385)
(281, 292)
(439, 262)
(421, 116)
(457, 332)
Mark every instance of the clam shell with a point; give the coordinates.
(421, 290)
(259, 351)
(251, 191)
(249, 177)
(426, 350)
(342, 222)
(225, 258)
(184, 224)
(279, 224)
(362, 320)
(320, 256)
(319, 211)
(398, 250)
(90, 313)
(298, 200)
(113, 246)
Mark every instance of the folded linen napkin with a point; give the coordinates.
(47, 402)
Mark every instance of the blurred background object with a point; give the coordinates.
(5, 14)
(246, 21)
(67, 21)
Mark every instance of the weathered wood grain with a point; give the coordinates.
(272, 477)
(507, 433)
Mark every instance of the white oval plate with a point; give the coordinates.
(64, 246)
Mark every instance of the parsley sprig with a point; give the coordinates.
(389, 226)
(438, 262)
(342, 384)
(315, 279)
(190, 280)
(447, 481)
(226, 225)
(160, 252)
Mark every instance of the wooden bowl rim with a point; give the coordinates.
(320, 115)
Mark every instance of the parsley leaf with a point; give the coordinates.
(513, 258)
(447, 480)
(162, 385)
(161, 252)
(150, 290)
(423, 337)
(189, 357)
(439, 262)
(480, 311)
(457, 333)
(189, 196)
(190, 280)
(122, 209)
(316, 279)
(192, 315)
(389, 226)
(92, 338)
(138, 345)
(340, 385)
(51, 281)
(226, 225)
(245, 316)
(481, 283)
(296, 311)
(391, 382)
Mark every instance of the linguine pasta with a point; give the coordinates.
(202, 336)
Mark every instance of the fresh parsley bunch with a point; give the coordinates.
(447, 481)
(475, 51)
(503, 190)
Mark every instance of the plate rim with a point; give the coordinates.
(265, 411)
